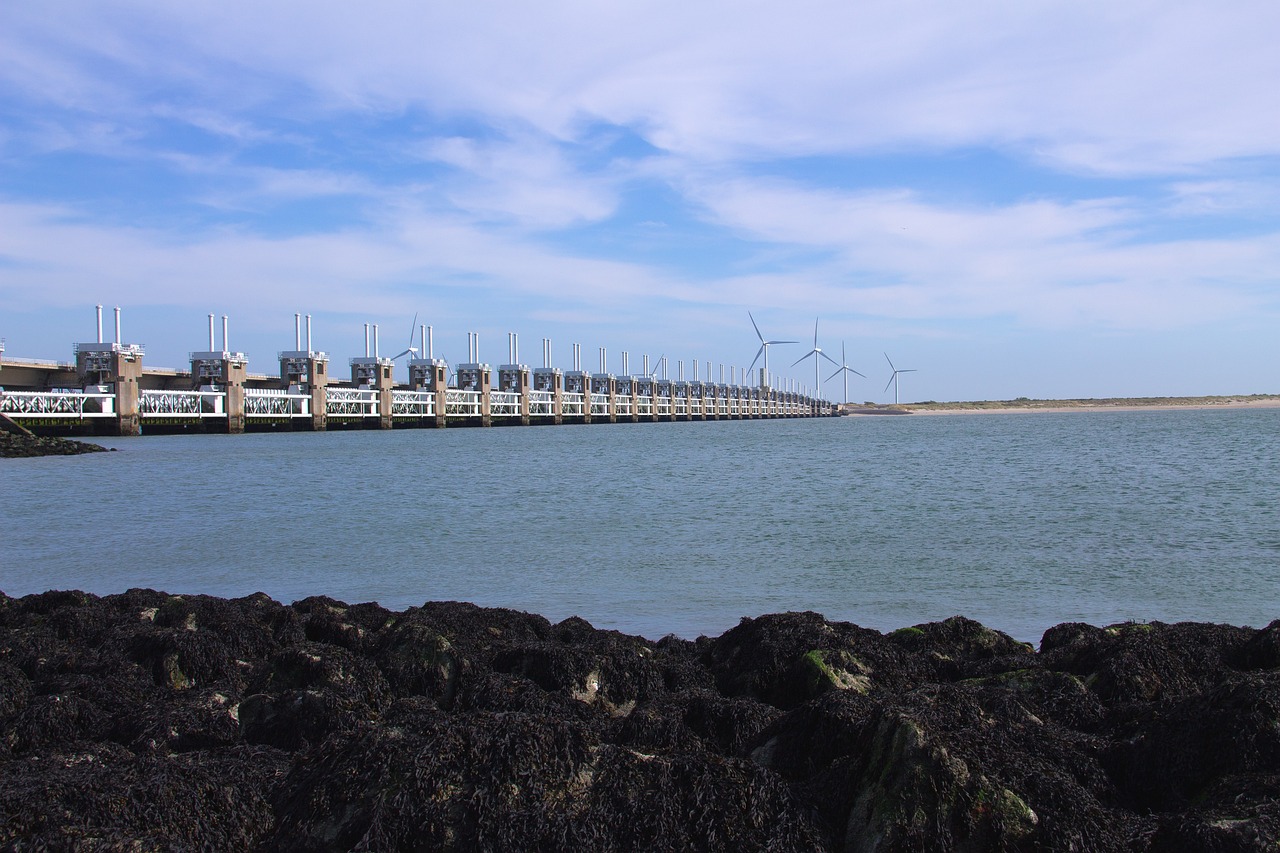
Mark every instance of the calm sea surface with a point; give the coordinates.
(1020, 521)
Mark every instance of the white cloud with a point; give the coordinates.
(1138, 87)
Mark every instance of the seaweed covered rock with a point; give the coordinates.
(1141, 661)
(15, 445)
(153, 721)
(790, 658)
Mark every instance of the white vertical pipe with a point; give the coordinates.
(626, 368)
(477, 347)
(99, 324)
(297, 331)
(366, 340)
(375, 340)
(117, 324)
(308, 333)
(517, 340)
(211, 338)
(225, 346)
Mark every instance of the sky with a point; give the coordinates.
(1041, 199)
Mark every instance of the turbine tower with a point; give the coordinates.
(818, 355)
(893, 380)
(846, 370)
(764, 348)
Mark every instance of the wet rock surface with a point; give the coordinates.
(145, 721)
(16, 444)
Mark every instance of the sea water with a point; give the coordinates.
(1020, 521)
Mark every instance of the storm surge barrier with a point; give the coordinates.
(108, 391)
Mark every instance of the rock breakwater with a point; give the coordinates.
(150, 721)
(20, 444)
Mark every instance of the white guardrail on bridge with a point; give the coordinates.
(268, 403)
(350, 402)
(182, 404)
(57, 404)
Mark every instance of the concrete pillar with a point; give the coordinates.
(579, 382)
(517, 379)
(604, 383)
(374, 374)
(475, 376)
(307, 372)
(118, 367)
(550, 379)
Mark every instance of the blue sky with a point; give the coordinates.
(1048, 199)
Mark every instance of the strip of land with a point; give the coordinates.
(1025, 404)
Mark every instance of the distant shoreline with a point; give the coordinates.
(1254, 401)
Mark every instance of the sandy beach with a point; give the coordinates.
(1099, 406)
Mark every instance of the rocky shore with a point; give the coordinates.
(145, 721)
(23, 444)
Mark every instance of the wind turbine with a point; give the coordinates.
(818, 355)
(893, 380)
(412, 350)
(764, 348)
(846, 370)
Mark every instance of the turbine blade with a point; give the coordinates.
(891, 367)
(890, 382)
(815, 332)
(912, 370)
(801, 358)
(851, 370)
(413, 328)
(837, 373)
(771, 343)
(757, 358)
(757, 328)
(827, 357)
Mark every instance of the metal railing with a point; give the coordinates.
(182, 404)
(504, 404)
(541, 403)
(57, 404)
(269, 403)
(571, 404)
(623, 405)
(462, 404)
(413, 404)
(350, 402)
(599, 405)
(644, 406)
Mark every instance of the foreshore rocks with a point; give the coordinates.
(23, 444)
(146, 721)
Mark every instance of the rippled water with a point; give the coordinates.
(1019, 521)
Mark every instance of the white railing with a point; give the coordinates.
(462, 404)
(695, 406)
(662, 406)
(733, 406)
(182, 404)
(599, 405)
(624, 405)
(413, 404)
(682, 406)
(504, 404)
(644, 406)
(571, 404)
(541, 403)
(350, 402)
(57, 404)
(271, 403)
